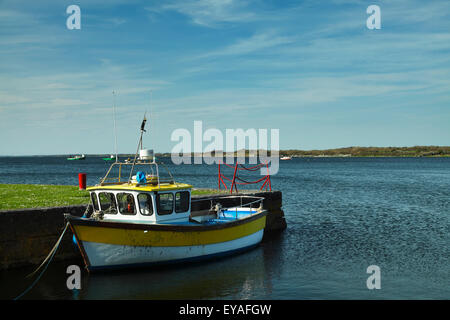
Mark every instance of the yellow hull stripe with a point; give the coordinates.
(133, 237)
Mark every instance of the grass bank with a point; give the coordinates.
(24, 196)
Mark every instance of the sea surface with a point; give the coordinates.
(343, 215)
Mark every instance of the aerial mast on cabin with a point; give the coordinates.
(139, 146)
(115, 129)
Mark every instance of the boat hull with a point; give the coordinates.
(109, 256)
(112, 245)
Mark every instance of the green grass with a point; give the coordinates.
(200, 192)
(25, 196)
(20, 196)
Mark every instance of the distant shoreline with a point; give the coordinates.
(414, 152)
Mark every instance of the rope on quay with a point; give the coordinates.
(48, 259)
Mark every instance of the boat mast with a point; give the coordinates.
(138, 148)
(115, 129)
(152, 124)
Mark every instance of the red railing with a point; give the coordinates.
(236, 180)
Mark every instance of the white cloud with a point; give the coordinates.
(254, 44)
(208, 13)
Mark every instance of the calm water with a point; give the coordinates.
(343, 215)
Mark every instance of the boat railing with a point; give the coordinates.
(153, 174)
(241, 197)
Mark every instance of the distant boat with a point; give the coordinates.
(82, 157)
(110, 158)
(286, 158)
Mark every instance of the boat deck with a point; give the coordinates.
(226, 216)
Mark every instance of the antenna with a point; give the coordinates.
(152, 122)
(139, 146)
(142, 130)
(115, 129)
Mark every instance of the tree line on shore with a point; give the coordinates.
(416, 151)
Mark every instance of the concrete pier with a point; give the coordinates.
(28, 235)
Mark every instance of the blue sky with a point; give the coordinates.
(311, 69)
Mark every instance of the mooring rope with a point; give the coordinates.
(49, 259)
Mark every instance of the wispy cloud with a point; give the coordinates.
(253, 44)
(209, 13)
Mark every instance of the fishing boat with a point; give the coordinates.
(81, 157)
(147, 219)
(110, 158)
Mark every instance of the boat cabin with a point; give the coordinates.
(143, 197)
(142, 204)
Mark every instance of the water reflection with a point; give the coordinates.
(247, 275)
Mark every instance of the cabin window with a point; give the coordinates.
(107, 202)
(165, 203)
(94, 201)
(145, 204)
(182, 201)
(126, 203)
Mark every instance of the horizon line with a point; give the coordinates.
(225, 152)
